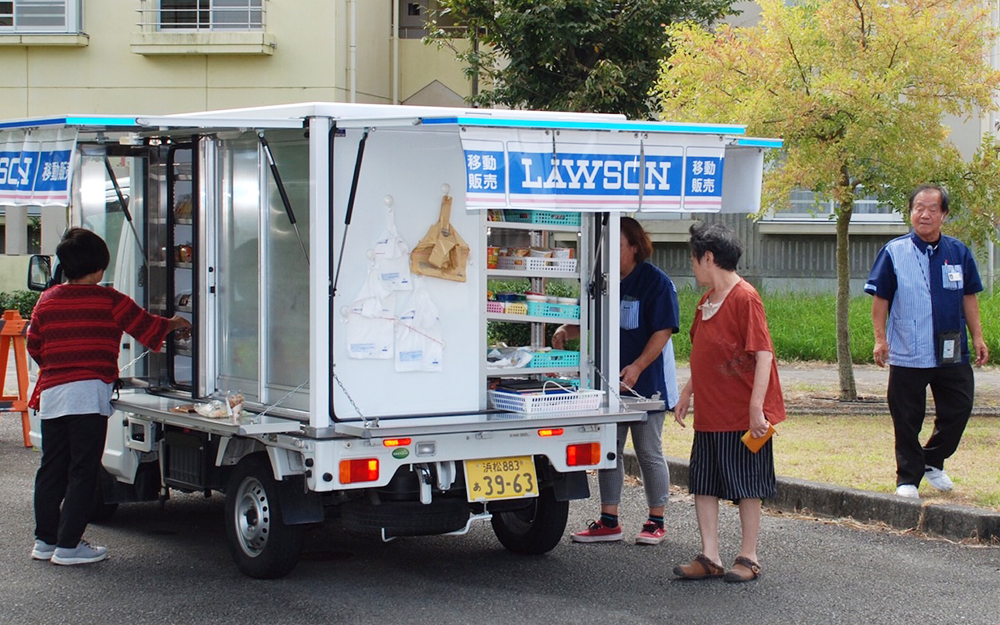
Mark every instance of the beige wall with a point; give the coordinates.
(13, 274)
(308, 63)
(422, 64)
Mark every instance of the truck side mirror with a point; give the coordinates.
(39, 272)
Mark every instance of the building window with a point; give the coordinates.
(40, 16)
(806, 205)
(413, 15)
(239, 15)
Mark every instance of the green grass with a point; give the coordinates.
(803, 326)
(857, 451)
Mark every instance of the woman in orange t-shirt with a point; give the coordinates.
(735, 379)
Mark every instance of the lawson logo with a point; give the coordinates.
(590, 174)
(38, 170)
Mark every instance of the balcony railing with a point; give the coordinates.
(202, 15)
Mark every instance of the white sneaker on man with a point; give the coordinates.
(938, 478)
(83, 553)
(907, 490)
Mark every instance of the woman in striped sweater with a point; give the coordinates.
(74, 336)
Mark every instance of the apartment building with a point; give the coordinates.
(173, 56)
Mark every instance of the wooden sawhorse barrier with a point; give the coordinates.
(12, 331)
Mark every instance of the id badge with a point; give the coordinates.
(949, 348)
(951, 277)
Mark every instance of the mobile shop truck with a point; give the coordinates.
(335, 261)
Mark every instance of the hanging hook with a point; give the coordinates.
(388, 200)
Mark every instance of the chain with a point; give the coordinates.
(610, 386)
(368, 424)
(136, 359)
(283, 398)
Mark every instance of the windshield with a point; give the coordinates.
(101, 211)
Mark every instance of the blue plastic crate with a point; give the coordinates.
(542, 217)
(543, 309)
(554, 358)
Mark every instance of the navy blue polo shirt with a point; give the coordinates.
(925, 285)
(648, 305)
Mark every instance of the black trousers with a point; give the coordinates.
(953, 389)
(72, 447)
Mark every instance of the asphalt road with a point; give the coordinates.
(173, 566)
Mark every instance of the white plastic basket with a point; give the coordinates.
(527, 263)
(546, 402)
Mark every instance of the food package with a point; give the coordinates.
(236, 406)
(229, 408)
(214, 409)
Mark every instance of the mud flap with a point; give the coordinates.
(299, 505)
(572, 485)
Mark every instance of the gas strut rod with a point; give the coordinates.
(282, 192)
(350, 205)
(124, 204)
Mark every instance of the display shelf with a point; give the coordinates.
(503, 372)
(574, 321)
(529, 233)
(513, 225)
(520, 273)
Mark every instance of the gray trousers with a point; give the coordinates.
(647, 438)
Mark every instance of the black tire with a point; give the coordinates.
(262, 545)
(102, 511)
(535, 529)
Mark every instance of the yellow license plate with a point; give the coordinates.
(500, 478)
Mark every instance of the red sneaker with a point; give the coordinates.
(651, 534)
(597, 533)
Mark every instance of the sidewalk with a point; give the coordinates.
(812, 388)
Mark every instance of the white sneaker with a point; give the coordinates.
(42, 550)
(938, 478)
(83, 553)
(907, 490)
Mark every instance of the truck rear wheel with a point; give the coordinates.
(262, 545)
(535, 529)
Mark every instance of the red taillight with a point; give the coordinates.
(396, 442)
(360, 470)
(583, 454)
(551, 432)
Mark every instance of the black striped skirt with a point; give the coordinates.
(723, 467)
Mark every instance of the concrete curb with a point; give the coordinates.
(794, 495)
(872, 408)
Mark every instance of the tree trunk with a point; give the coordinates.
(845, 367)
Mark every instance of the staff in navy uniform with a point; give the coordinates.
(924, 286)
(649, 317)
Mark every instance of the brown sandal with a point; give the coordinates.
(744, 570)
(699, 568)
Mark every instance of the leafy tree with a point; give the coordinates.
(858, 90)
(597, 56)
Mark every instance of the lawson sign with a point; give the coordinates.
(592, 176)
(35, 167)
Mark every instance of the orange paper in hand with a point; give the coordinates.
(754, 444)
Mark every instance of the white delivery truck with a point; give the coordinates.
(337, 263)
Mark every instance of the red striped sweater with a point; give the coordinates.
(76, 331)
